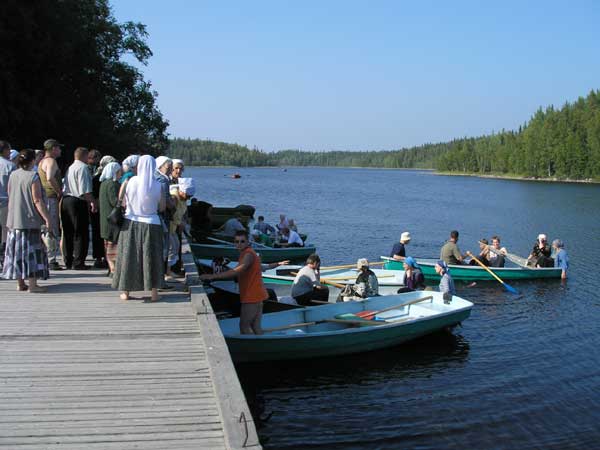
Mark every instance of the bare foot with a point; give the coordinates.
(154, 299)
(124, 296)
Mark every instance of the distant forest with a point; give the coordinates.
(556, 143)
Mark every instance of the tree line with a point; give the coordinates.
(555, 143)
(64, 76)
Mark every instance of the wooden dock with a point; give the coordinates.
(82, 369)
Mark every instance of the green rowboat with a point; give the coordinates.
(472, 273)
(267, 254)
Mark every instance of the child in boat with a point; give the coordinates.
(561, 259)
(446, 282)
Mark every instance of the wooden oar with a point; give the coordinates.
(508, 287)
(342, 321)
(352, 278)
(371, 314)
(519, 261)
(233, 244)
(325, 281)
(285, 327)
(348, 266)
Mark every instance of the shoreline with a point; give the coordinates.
(432, 172)
(516, 178)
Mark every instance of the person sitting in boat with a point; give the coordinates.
(561, 259)
(398, 251)
(289, 238)
(497, 253)
(263, 226)
(446, 282)
(366, 284)
(413, 277)
(232, 226)
(260, 238)
(450, 252)
(283, 222)
(541, 254)
(307, 284)
(252, 289)
(292, 225)
(484, 253)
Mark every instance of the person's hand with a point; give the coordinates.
(93, 207)
(284, 263)
(48, 228)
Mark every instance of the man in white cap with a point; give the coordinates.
(398, 251)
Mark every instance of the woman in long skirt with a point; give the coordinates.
(139, 264)
(25, 254)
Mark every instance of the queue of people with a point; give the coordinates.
(44, 214)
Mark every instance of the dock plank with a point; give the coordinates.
(79, 368)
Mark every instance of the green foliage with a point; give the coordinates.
(63, 76)
(562, 144)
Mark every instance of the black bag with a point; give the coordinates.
(117, 215)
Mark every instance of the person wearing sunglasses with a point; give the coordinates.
(252, 289)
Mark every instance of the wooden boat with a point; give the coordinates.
(267, 254)
(318, 331)
(389, 280)
(471, 273)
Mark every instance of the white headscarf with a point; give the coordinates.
(143, 191)
(178, 162)
(130, 162)
(13, 154)
(162, 160)
(110, 171)
(145, 173)
(103, 162)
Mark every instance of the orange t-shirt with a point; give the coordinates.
(252, 289)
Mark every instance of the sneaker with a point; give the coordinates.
(55, 266)
(99, 264)
(82, 267)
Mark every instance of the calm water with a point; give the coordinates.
(523, 372)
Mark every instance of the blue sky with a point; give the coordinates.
(349, 75)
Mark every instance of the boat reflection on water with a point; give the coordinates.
(272, 389)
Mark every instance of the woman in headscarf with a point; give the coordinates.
(180, 193)
(446, 282)
(139, 265)
(25, 255)
(177, 173)
(129, 167)
(97, 162)
(413, 277)
(109, 196)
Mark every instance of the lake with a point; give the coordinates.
(523, 371)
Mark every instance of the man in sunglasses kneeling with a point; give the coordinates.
(252, 290)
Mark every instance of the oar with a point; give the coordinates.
(508, 287)
(348, 266)
(513, 258)
(352, 278)
(342, 321)
(325, 281)
(371, 314)
(231, 243)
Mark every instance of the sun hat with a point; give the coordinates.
(362, 262)
(405, 236)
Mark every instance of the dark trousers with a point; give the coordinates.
(97, 241)
(75, 230)
(316, 294)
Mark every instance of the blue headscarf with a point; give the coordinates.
(444, 266)
(409, 260)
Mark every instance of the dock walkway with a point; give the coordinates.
(82, 369)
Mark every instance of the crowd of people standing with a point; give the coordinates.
(134, 212)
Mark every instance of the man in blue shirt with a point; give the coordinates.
(561, 259)
(398, 251)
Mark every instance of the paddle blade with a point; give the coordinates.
(366, 314)
(510, 289)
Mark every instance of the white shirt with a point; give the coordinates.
(294, 238)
